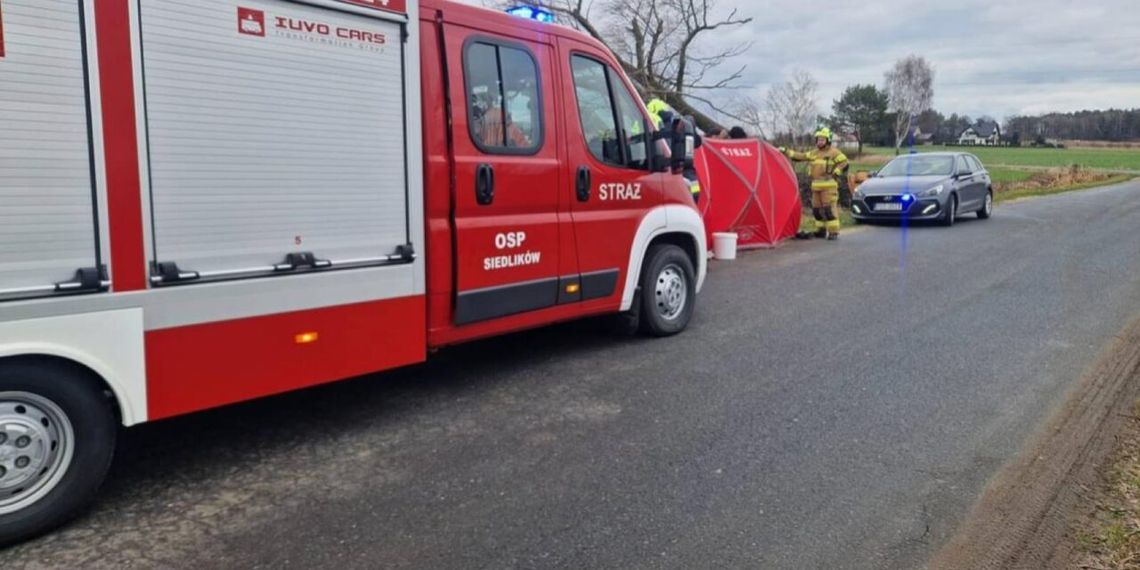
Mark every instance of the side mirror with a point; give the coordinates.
(660, 157)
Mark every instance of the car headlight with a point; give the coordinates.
(857, 194)
(932, 191)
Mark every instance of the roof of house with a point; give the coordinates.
(984, 129)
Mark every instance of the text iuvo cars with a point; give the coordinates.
(935, 186)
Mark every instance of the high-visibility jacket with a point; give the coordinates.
(823, 166)
(656, 106)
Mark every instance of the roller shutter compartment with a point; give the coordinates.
(275, 134)
(48, 228)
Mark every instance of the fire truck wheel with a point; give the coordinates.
(668, 290)
(57, 437)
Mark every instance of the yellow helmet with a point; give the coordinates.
(656, 106)
(823, 132)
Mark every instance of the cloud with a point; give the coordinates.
(990, 58)
(993, 58)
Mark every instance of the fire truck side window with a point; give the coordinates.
(631, 119)
(615, 133)
(504, 104)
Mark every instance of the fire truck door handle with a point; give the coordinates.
(583, 183)
(484, 184)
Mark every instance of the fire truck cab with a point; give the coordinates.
(204, 202)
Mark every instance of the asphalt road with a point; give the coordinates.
(834, 405)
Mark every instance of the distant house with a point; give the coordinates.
(919, 137)
(847, 142)
(986, 133)
(923, 138)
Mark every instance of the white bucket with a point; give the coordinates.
(724, 245)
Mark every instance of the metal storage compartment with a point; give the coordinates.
(273, 128)
(48, 227)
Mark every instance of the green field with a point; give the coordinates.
(1000, 174)
(1099, 159)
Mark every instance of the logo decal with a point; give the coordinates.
(251, 22)
(1, 31)
(619, 191)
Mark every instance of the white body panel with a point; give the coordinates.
(667, 219)
(280, 132)
(110, 343)
(47, 207)
(106, 331)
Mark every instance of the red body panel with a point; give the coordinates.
(526, 186)
(197, 367)
(191, 368)
(120, 145)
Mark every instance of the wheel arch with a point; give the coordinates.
(673, 223)
(74, 368)
(682, 240)
(103, 347)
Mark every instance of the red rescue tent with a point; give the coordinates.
(749, 188)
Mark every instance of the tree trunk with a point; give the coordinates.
(704, 122)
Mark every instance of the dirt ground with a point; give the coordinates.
(1106, 529)
(1024, 520)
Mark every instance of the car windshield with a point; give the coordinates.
(918, 165)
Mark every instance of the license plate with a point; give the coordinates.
(889, 207)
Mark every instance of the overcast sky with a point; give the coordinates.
(995, 57)
(992, 57)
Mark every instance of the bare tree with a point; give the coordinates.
(753, 115)
(793, 104)
(658, 44)
(910, 86)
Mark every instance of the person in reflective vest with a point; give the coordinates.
(825, 165)
(656, 107)
(680, 129)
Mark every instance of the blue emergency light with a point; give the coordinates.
(532, 13)
(907, 197)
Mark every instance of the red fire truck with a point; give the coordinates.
(208, 201)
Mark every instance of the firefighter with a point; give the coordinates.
(825, 165)
(666, 119)
(656, 108)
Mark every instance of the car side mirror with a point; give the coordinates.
(660, 156)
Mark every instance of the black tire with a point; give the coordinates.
(667, 267)
(92, 443)
(950, 214)
(987, 206)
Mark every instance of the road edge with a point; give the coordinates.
(1022, 517)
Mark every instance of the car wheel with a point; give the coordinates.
(987, 207)
(57, 437)
(668, 291)
(950, 214)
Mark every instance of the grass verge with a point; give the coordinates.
(1028, 193)
(807, 222)
(1109, 535)
(1054, 181)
